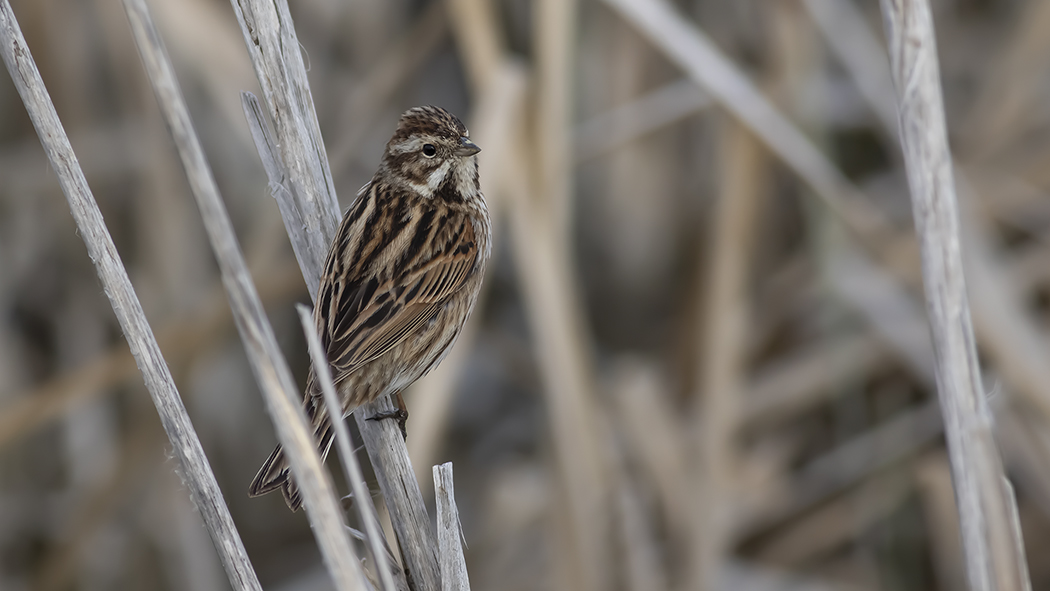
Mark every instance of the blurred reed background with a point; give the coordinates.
(686, 372)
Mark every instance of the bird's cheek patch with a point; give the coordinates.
(435, 178)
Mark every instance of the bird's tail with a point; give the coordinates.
(276, 473)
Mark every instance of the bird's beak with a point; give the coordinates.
(467, 147)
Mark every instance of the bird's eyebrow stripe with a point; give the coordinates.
(410, 145)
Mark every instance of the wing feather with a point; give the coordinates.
(368, 313)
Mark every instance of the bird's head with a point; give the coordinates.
(431, 154)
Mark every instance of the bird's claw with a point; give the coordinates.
(399, 413)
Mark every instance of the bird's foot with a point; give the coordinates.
(399, 413)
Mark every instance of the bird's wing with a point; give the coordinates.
(367, 313)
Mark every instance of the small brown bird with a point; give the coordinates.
(401, 277)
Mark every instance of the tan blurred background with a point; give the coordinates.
(685, 372)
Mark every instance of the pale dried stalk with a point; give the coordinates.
(270, 368)
(652, 433)
(886, 306)
(688, 47)
(297, 166)
(481, 46)
(196, 472)
(404, 501)
(450, 542)
(1023, 438)
(59, 567)
(641, 566)
(847, 465)
(566, 368)
(995, 558)
(180, 337)
(856, 46)
(811, 377)
(362, 496)
(744, 575)
(1014, 343)
(724, 348)
(1007, 101)
(555, 38)
(1017, 536)
(277, 58)
(654, 110)
(1009, 332)
(835, 523)
(554, 318)
(374, 92)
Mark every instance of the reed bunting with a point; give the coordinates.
(401, 277)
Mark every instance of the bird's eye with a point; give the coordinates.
(429, 150)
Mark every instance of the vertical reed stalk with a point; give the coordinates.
(994, 554)
(297, 166)
(270, 368)
(195, 470)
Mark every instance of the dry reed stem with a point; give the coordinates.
(376, 89)
(277, 57)
(995, 558)
(58, 567)
(450, 532)
(105, 154)
(887, 308)
(850, 463)
(1004, 107)
(744, 575)
(1009, 332)
(480, 42)
(653, 435)
(1018, 349)
(352, 470)
(195, 469)
(181, 338)
(554, 318)
(650, 112)
(691, 50)
(568, 384)
(268, 364)
(836, 522)
(641, 567)
(872, 450)
(554, 45)
(1026, 451)
(190, 562)
(724, 341)
(812, 376)
(1016, 534)
(46, 402)
(203, 37)
(404, 501)
(858, 48)
(297, 166)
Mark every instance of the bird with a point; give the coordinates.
(400, 279)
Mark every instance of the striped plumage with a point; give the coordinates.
(401, 277)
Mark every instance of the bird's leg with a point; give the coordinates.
(400, 413)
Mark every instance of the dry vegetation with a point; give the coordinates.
(702, 359)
